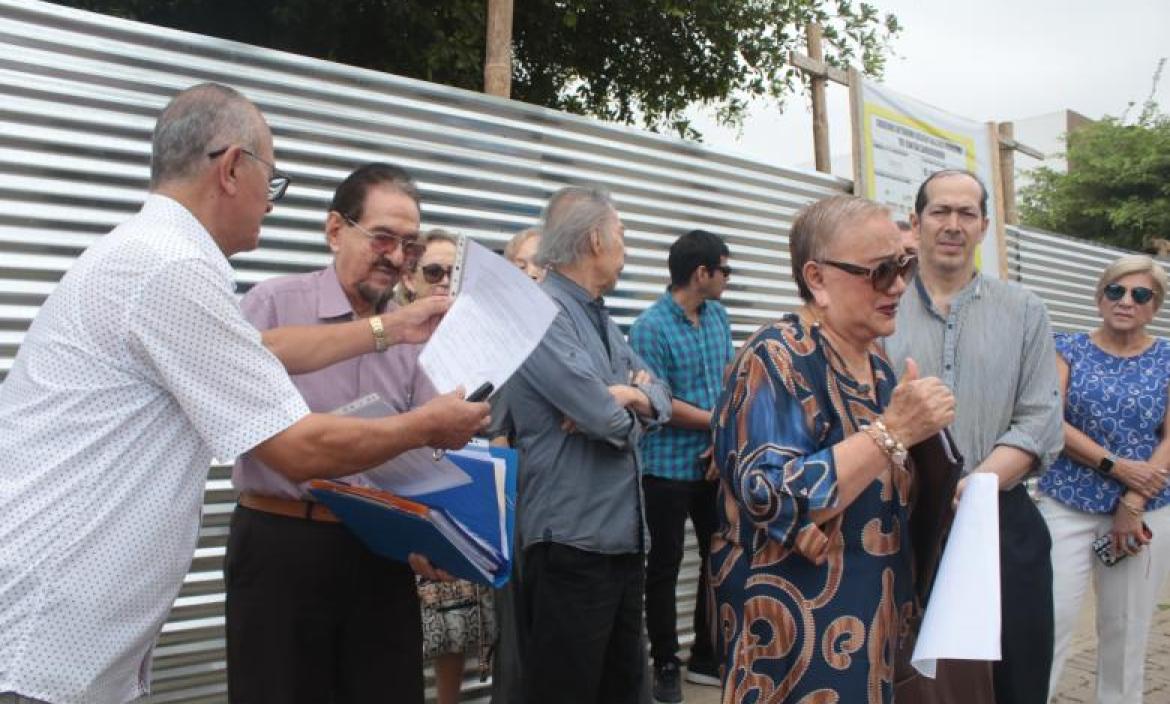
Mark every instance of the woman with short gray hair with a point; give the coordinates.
(810, 567)
(1105, 498)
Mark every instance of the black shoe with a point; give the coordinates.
(667, 683)
(703, 672)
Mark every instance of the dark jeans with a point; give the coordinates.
(582, 616)
(668, 504)
(1025, 564)
(315, 617)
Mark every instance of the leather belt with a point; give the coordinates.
(307, 510)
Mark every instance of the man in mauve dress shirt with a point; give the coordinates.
(312, 615)
(137, 371)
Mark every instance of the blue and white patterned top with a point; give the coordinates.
(1119, 402)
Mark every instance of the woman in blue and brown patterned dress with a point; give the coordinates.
(810, 567)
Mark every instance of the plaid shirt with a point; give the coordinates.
(691, 360)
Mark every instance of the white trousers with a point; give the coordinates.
(1126, 596)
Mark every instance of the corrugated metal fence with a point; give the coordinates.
(1063, 271)
(80, 95)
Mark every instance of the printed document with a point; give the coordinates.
(411, 473)
(498, 318)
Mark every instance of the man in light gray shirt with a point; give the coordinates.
(990, 342)
(579, 405)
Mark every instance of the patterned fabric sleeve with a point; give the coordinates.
(766, 454)
(1064, 342)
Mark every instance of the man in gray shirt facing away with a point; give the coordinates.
(579, 405)
(990, 342)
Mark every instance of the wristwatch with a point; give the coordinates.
(1105, 466)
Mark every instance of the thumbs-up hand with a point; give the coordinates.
(918, 407)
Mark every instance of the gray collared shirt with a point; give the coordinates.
(994, 349)
(582, 488)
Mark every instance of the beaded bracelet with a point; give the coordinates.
(886, 442)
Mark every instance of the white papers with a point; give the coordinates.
(498, 317)
(411, 473)
(962, 619)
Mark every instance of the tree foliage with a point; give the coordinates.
(642, 62)
(1117, 189)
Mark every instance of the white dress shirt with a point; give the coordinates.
(138, 370)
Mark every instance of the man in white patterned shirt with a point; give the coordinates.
(138, 370)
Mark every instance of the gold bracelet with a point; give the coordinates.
(379, 330)
(886, 442)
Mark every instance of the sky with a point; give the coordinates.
(985, 60)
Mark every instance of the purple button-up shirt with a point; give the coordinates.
(313, 299)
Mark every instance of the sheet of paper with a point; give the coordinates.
(498, 318)
(962, 620)
(411, 473)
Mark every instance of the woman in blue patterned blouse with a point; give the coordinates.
(1112, 476)
(810, 566)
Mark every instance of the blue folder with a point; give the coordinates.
(395, 527)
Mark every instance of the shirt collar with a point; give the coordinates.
(563, 283)
(331, 299)
(673, 306)
(160, 207)
(973, 289)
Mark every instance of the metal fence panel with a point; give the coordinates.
(1063, 271)
(81, 94)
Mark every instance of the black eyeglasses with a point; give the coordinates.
(724, 268)
(1141, 295)
(434, 273)
(277, 180)
(882, 276)
(386, 242)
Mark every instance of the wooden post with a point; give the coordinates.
(497, 65)
(820, 112)
(857, 115)
(1007, 171)
(997, 186)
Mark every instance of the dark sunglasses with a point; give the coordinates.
(434, 273)
(725, 269)
(1140, 294)
(882, 276)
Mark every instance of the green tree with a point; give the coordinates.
(640, 62)
(1117, 188)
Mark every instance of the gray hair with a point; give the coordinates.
(438, 234)
(518, 241)
(1135, 264)
(198, 120)
(571, 214)
(817, 225)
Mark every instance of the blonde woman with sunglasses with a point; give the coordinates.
(1105, 498)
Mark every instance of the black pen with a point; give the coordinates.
(480, 394)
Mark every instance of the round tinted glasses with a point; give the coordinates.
(1141, 295)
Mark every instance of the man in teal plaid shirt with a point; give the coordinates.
(685, 339)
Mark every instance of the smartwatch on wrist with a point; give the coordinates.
(1105, 466)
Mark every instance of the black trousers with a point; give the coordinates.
(668, 504)
(582, 622)
(507, 660)
(1025, 564)
(315, 617)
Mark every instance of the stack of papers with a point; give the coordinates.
(466, 529)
